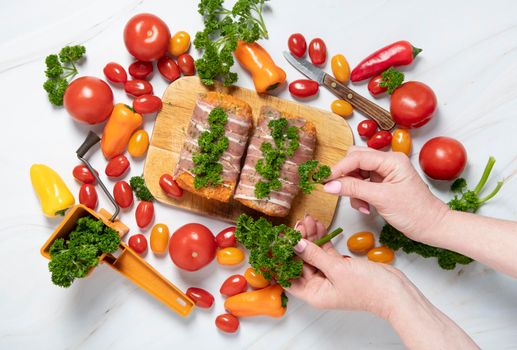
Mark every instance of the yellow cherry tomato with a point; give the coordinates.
(138, 143)
(381, 254)
(179, 43)
(401, 141)
(342, 108)
(254, 279)
(340, 68)
(159, 238)
(230, 256)
(360, 242)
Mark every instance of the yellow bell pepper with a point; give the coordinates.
(122, 123)
(55, 198)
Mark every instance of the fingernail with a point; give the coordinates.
(296, 225)
(333, 187)
(300, 246)
(364, 210)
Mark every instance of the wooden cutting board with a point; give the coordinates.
(333, 138)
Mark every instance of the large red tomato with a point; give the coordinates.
(192, 247)
(412, 104)
(443, 158)
(146, 37)
(89, 100)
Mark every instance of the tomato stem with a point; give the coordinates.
(416, 51)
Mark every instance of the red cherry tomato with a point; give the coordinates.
(123, 194)
(137, 87)
(367, 128)
(186, 64)
(83, 174)
(226, 238)
(168, 68)
(140, 69)
(412, 104)
(297, 44)
(88, 100)
(317, 51)
(374, 87)
(227, 323)
(443, 158)
(233, 285)
(138, 243)
(144, 214)
(303, 88)
(380, 139)
(170, 187)
(88, 196)
(201, 297)
(147, 104)
(115, 73)
(192, 247)
(117, 166)
(146, 37)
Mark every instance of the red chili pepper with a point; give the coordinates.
(399, 53)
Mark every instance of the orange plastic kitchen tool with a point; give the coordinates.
(125, 261)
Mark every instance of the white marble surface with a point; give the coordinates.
(470, 60)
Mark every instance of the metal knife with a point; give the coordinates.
(363, 105)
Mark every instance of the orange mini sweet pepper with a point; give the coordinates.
(256, 60)
(270, 301)
(121, 125)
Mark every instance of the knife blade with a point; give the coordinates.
(362, 104)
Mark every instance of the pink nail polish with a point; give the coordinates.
(333, 187)
(296, 225)
(300, 246)
(364, 210)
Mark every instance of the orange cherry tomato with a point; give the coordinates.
(381, 255)
(401, 141)
(254, 279)
(179, 43)
(159, 238)
(138, 143)
(342, 108)
(361, 242)
(230, 256)
(340, 68)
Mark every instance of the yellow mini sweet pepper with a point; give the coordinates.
(55, 197)
(122, 123)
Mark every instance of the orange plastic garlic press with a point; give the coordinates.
(125, 261)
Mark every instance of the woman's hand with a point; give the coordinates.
(388, 181)
(331, 281)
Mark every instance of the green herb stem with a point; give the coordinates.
(492, 194)
(486, 174)
(328, 237)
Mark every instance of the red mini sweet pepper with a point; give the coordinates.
(400, 53)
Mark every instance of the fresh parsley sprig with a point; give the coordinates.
(223, 29)
(138, 186)
(271, 248)
(312, 173)
(60, 70)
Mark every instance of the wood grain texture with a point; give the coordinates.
(333, 139)
(362, 104)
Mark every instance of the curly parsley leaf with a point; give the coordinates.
(138, 186)
(223, 29)
(312, 173)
